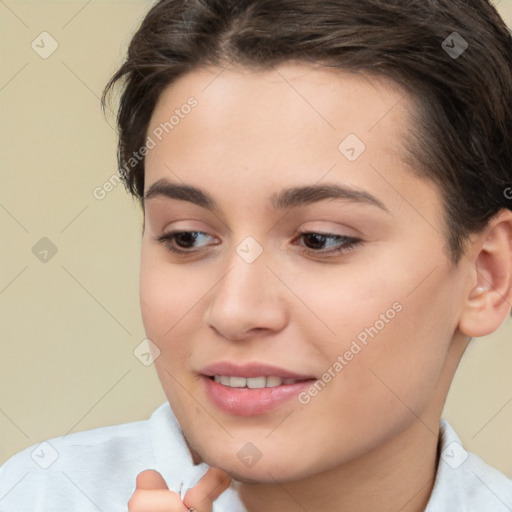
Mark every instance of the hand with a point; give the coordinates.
(153, 495)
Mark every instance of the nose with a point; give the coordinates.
(249, 299)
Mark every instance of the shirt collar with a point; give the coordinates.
(465, 480)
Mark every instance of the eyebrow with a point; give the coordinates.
(285, 199)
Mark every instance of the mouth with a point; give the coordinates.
(253, 389)
(254, 396)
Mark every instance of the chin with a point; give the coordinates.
(245, 480)
(261, 476)
(262, 472)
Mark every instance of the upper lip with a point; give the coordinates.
(249, 370)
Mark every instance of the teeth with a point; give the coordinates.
(252, 382)
(224, 380)
(237, 382)
(256, 382)
(272, 382)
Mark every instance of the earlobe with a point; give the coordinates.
(490, 295)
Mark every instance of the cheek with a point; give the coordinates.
(345, 306)
(169, 298)
(166, 291)
(389, 342)
(402, 360)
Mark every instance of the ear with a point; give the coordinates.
(489, 299)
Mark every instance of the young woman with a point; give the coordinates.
(327, 224)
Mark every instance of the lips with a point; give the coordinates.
(251, 389)
(252, 402)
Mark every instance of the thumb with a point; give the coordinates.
(201, 497)
(150, 479)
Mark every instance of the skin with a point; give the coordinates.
(368, 440)
(153, 495)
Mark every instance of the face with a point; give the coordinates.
(346, 291)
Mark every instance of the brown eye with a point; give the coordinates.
(181, 242)
(315, 242)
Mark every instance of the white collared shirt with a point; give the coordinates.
(95, 470)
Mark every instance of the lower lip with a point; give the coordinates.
(251, 402)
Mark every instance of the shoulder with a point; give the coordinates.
(467, 480)
(79, 471)
(100, 444)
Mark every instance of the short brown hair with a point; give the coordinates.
(463, 138)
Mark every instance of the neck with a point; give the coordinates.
(398, 475)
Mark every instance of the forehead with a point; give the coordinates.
(318, 98)
(290, 123)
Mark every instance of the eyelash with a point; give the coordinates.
(347, 243)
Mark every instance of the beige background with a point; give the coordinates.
(69, 326)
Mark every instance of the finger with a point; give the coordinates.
(210, 487)
(150, 479)
(156, 500)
